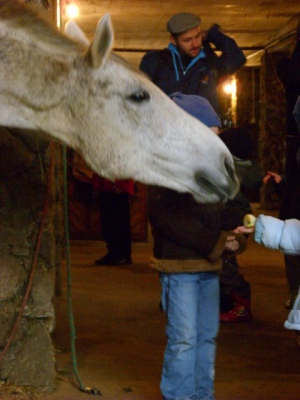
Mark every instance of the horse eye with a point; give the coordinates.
(138, 97)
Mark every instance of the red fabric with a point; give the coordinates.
(119, 186)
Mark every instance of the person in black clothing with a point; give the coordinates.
(189, 65)
(288, 73)
(114, 201)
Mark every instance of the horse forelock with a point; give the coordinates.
(18, 20)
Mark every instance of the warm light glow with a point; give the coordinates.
(58, 13)
(72, 10)
(230, 87)
(227, 88)
(234, 99)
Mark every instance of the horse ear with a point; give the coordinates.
(74, 32)
(102, 43)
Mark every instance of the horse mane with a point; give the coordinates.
(16, 17)
(120, 60)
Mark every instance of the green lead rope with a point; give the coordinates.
(69, 283)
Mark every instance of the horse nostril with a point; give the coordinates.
(224, 185)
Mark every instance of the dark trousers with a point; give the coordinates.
(292, 267)
(290, 208)
(232, 281)
(115, 221)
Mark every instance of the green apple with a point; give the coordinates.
(249, 221)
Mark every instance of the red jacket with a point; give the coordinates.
(119, 186)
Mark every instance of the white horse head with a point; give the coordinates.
(95, 102)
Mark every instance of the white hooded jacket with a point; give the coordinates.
(284, 236)
(277, 234)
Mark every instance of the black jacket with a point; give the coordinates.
(203, 76)
(186, 230)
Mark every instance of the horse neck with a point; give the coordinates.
(30, 75)
(34, 56)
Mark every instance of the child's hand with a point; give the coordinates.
(249, 225)
(273, 176)
(243, 229)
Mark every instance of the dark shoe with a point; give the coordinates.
(120, 261)
(110, 260)
(104, 260)
(240, 313)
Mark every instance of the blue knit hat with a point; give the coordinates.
(199, 107)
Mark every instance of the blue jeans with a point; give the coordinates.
(191, 302)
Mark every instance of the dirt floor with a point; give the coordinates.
(120, 332)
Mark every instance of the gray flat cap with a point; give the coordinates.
(182, 22)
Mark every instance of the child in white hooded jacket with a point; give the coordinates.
(277, 234)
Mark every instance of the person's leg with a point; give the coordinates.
(207, 326)
(122, 238)
(179, 301)
(106, 215)
(235, 297)
(116, 230)
(292, 268)
(188, 367)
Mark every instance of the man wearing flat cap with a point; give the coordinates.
(189, 64)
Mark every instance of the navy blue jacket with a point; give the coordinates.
(202, 73)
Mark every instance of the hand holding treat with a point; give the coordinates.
(248, 224)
